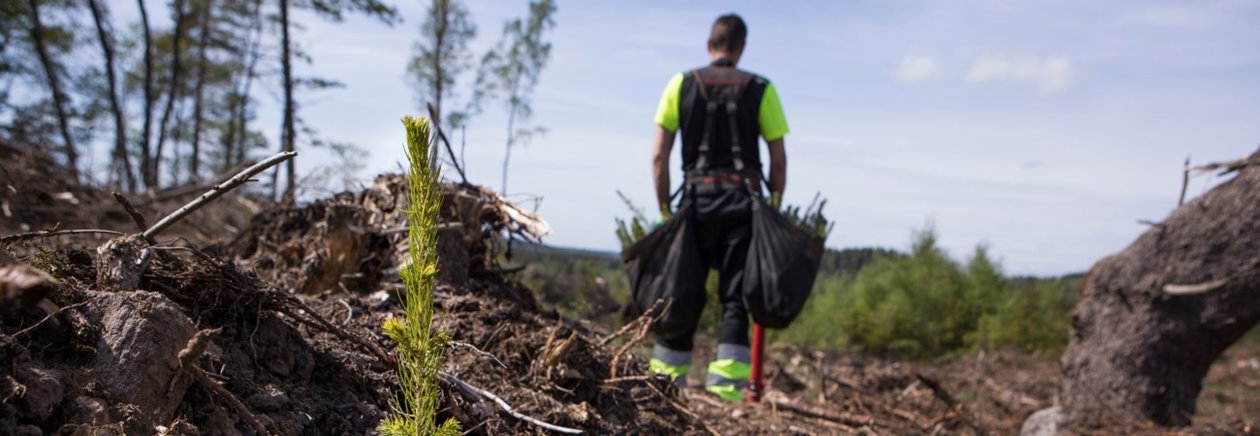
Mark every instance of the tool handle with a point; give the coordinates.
(756, 383)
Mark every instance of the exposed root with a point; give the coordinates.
(188, 365)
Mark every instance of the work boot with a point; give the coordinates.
(673, 363)
(728, 372)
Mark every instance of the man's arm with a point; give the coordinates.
(660, 165)
(778, 166)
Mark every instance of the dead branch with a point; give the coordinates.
(642, 378)
(200, 254)
(50, 233)
(1196, 288)
(937, 390)
(321, 324)
(477, 350)
(131, 210)
(475, 398)
(188, 362)
(437, 126)
(839, 418)
(906, 391)
(552, 355)
(45, 319)
(953, 403)
(645, 323)
(1228, 167)
(216, 191)
(504, 405)
(638, 338)
(349, 310)
(683, 410)
(631, 325)
(1185, 181)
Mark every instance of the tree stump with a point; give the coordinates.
(1153, 318)
(120, 262)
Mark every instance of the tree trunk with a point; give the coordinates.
(176, 43)
(1153, 318)
(59, 103)
(514, 102)
(287, 138)
(439, 35)
(238, 132)
(146, 159)
(194, 164)
(122, 163)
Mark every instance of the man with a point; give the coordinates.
(721, 111)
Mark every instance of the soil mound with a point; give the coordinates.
(200, 344)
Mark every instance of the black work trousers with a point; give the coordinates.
(723, 232)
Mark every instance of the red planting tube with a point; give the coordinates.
(758, 347)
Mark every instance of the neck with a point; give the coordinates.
(715, 55)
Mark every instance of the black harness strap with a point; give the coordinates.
(711, 109)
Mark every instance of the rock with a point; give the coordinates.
(141, 333)
(23, 286)
(87, 410)
(27, 430)
(1044, 422)
(44, 392)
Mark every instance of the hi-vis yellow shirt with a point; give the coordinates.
(769, 116)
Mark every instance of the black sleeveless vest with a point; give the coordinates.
(712, 87)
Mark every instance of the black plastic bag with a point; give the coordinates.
(666, 265)
(782, 264)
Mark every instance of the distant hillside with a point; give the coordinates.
(848, 260)
(851, 260)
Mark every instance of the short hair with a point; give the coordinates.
(729, 33)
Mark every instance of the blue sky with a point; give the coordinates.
(1043, 129)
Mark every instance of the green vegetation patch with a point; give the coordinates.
(926, 305)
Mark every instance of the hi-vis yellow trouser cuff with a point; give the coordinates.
(729, 372)
(673, 363)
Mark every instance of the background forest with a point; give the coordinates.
(171, 99)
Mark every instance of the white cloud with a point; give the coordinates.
(918, 69)
(1048, 74)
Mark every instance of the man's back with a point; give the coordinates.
(721, 111)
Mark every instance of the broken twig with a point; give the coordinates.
(437, 123)
(1185, 180)
(131, 210)
(684, 410)
(216, 191)
(504, 405)
(951, 402)
(476, 350)
(50, 233)
(1228, 167)
(631, 325)
(839, 418)
(1195, 289)
(45, 319)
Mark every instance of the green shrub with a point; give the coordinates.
(926, 305)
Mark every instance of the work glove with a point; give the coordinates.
(776, 199)
(666, 214)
